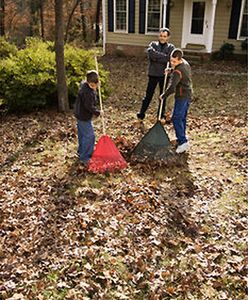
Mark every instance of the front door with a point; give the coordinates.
(196, 23)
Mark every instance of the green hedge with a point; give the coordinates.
(28, 76)
(6, 49)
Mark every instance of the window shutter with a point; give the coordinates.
(131, 16)
(110, 15)
(234, 21)
(142, 16)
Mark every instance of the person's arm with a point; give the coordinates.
(155, 55)
(176, 77)
(89, 104)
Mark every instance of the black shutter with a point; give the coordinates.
(142, 16)
(110, 15)
(234, 21)
(131, 16)
(168, 14)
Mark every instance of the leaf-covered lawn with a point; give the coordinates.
(177, 231)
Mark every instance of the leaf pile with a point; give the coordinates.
(150, 232)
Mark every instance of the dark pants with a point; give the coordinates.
(179, 119)
(152, 84)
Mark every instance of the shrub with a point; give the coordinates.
(78, 62)
(28, 79)
(225, 52)
(244, 45)
(6, 49)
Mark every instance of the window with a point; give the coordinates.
(154, 8)
(243, 23)
(198, 12)
(121, 15)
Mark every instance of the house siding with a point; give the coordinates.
(221, 28)
(125, 41)
(176, 22)
(132, 39)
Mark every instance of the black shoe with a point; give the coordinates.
(140, 116)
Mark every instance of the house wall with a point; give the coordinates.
(125, 42)
(136, 44)
(221, 28)
(131, 39)
(176, 22)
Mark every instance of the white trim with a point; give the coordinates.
(165, 2)
(184, 29)
(127, 11)
(208, 30)
(209, 44)
(241, 38)
(160, 18)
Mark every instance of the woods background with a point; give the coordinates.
(22, 18)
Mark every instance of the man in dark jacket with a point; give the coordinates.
(181, 85)
(85, 109)
(158, 55)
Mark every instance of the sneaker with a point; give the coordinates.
(182, 148)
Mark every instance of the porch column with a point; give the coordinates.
(211, 27)
(164, 12)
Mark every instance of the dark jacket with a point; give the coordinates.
(180, 82)
(85, 106)
(159, 55)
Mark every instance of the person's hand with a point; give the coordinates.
(101, 113)
(167, 71)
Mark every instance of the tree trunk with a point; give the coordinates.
(83, 20)
(34, 18)
(98, 12)
(42, 19)
(69, 20)
(2, 15)
(63, 103)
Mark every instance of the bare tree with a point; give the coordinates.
(34, 17)
(42, 19)
(2, 15)
(70, 18)
(83, 20)
(63, 103)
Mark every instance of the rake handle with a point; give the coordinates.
(100, 97)
(164, 87)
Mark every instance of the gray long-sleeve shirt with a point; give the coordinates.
(158, 55)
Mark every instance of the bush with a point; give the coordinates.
(28, 78)
(225, 52)
(6, 49)
(244, 45)
(78, 62)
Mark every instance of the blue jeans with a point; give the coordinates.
(179, 119)
(86, 140)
